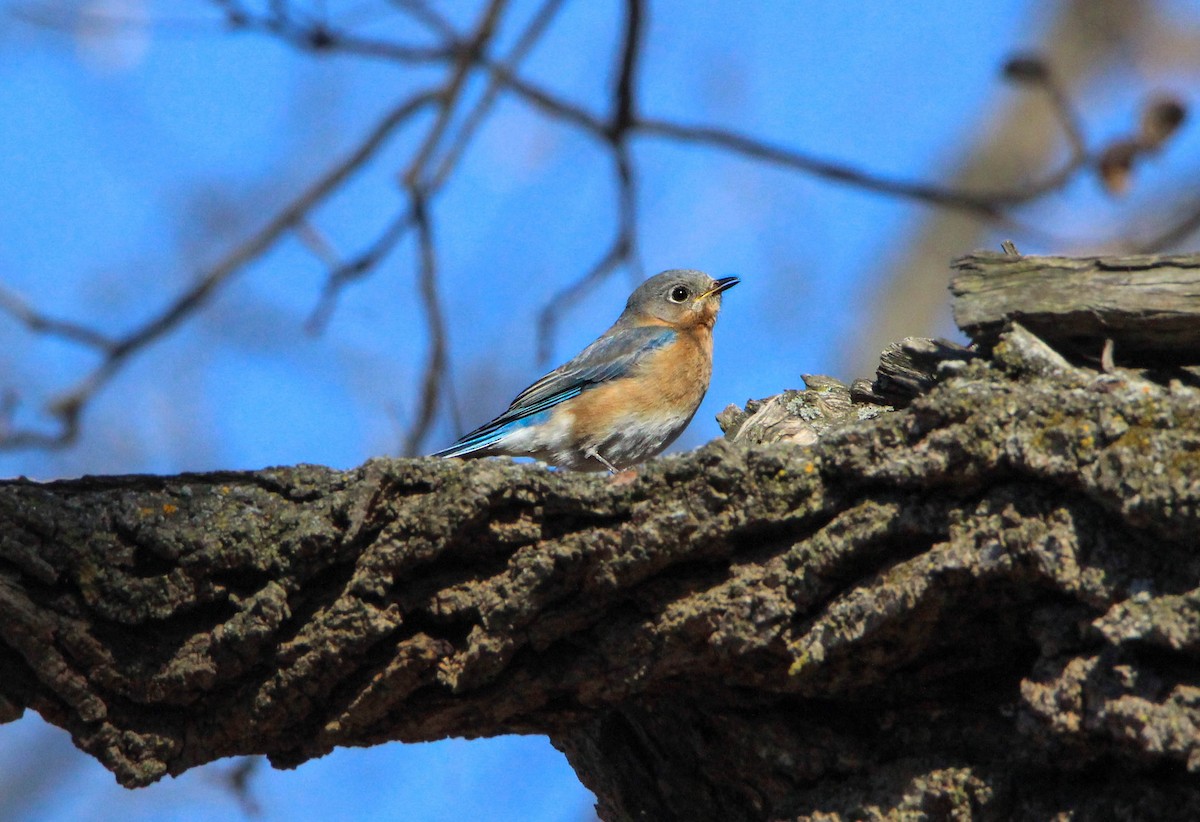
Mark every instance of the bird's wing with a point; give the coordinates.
(612, 356)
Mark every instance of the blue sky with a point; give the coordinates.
(133, 160)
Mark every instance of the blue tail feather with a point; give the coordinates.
(468, 445)
(492, 433)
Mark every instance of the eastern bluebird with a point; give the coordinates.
(625, 397)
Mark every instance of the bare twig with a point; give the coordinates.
(423, 185)
(987, 204)
(68, 406)
(548, 103)
(623, 250)
(627, 218)
(418, 215)
(40, 323)
(414, 179)
(316, 36)
(285, 220)
(624, 112)
(435, 363)
(365, 262)
(357, 267)
(442, 146)
(237, 778)
(525, 43)
(451, 92)
(316, 242)
(421, 11)
(991, 204)
(1032, 70)
(616, 254)
(1067, 117)
(623, 120)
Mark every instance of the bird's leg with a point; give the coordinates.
(592, 452)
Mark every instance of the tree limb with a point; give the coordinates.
(987, 600)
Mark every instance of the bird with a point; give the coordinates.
(624, 398)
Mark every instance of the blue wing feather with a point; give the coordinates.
(611, 357)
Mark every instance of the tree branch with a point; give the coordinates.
(990, 592)
(68, 407)
(436, 363)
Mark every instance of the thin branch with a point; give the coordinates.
(415, 172)
(414, 180)
(68, 407)
(421, 12)
(357, 267)
(317, 243)
(40, 323)
(627, 215)
(466, 55)
(989, 205)
(614, 256)
(266, 238)
(1034, 71)
(624, 112)
(318, 36)
(623, 250)
(525, 43)
(624, 118)
(435, 364)
(236, 780)
(548, 103)
(1067, 118)
(422, 187)
(365, 262)
(986, 204)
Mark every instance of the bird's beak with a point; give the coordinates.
(723, 284)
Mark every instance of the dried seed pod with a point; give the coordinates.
(1026, 68)
(1116, 164)
(1161, 118)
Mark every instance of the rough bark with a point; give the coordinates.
(985, 604)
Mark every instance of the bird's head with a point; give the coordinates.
(679, 298)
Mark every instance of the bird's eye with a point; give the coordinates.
(680, 293)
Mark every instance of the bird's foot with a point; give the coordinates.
(594, 454)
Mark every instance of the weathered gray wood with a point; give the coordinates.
(908, 369)
(1148, 306)
(796, 417)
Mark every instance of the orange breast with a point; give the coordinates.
(663, 393)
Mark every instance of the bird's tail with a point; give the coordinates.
(474, 444)
(479, 442)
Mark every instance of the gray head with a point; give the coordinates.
(679, 297)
